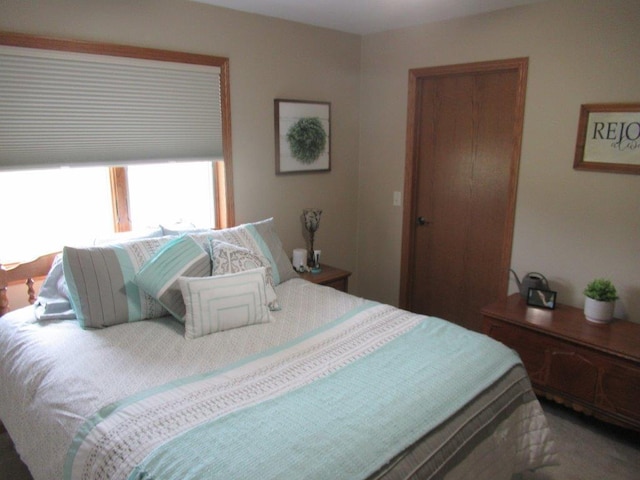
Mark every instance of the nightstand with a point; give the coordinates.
(329, 276)
(591, 367)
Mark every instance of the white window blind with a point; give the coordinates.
(67, 108)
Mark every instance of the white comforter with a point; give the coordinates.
(92, 368)
(43, 363)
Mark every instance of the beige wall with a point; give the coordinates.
(570, 225)
(269, 59)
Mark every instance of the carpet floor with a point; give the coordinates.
(588, 450)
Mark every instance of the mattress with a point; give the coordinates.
(56, 376)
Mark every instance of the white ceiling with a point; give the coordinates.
(366, 16)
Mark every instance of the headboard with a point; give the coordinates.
(26, 273)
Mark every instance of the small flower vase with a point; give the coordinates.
(597, 311)
(311, 218)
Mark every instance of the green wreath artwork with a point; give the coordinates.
(307, 139)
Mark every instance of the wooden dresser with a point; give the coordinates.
(330, 276)
(591, 367)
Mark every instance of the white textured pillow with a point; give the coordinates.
(53, 299)
(223, 302)
(227, 258)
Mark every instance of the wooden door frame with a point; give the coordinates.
(520, 65)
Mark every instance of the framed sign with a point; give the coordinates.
(538, 297)
(303, 136)
(609, 138)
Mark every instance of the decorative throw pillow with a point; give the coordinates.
(264, 233)
(181, 257)
(101, 282)
(227, 258)
(223, 302)
(259, 237)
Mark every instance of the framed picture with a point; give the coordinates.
(541, 298)
(609, 138)
(303, 136)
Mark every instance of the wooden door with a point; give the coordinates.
(463, 149)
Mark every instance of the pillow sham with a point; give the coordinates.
(178, 229)
(223, 302)
(53, 298)
(181, 256)
(128, 236)
(101, 282)
(259, 237)
(227, 258)
(264, 233)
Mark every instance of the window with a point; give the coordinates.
(171, 193)
(89, 201)
(77, 206)
(44, 209)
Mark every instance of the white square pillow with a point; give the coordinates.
(227, 258)
(223, 302)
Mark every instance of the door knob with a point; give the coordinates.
(421, 221)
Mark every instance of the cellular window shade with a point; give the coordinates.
(66, 108)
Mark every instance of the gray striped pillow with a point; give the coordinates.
(101, 282)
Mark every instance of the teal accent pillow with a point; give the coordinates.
(181, 257)
(218, 303)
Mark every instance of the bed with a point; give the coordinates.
(204, 355)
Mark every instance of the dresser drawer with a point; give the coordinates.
(572, 372)
(619, 390)
(530, 347)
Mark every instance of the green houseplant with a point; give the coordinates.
(601, 296)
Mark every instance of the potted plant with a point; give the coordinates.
(601, 298)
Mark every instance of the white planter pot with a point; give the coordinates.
(598, 312)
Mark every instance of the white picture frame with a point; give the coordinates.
(302, 136)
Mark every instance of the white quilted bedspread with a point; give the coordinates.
(92, 368)
(44, 362)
